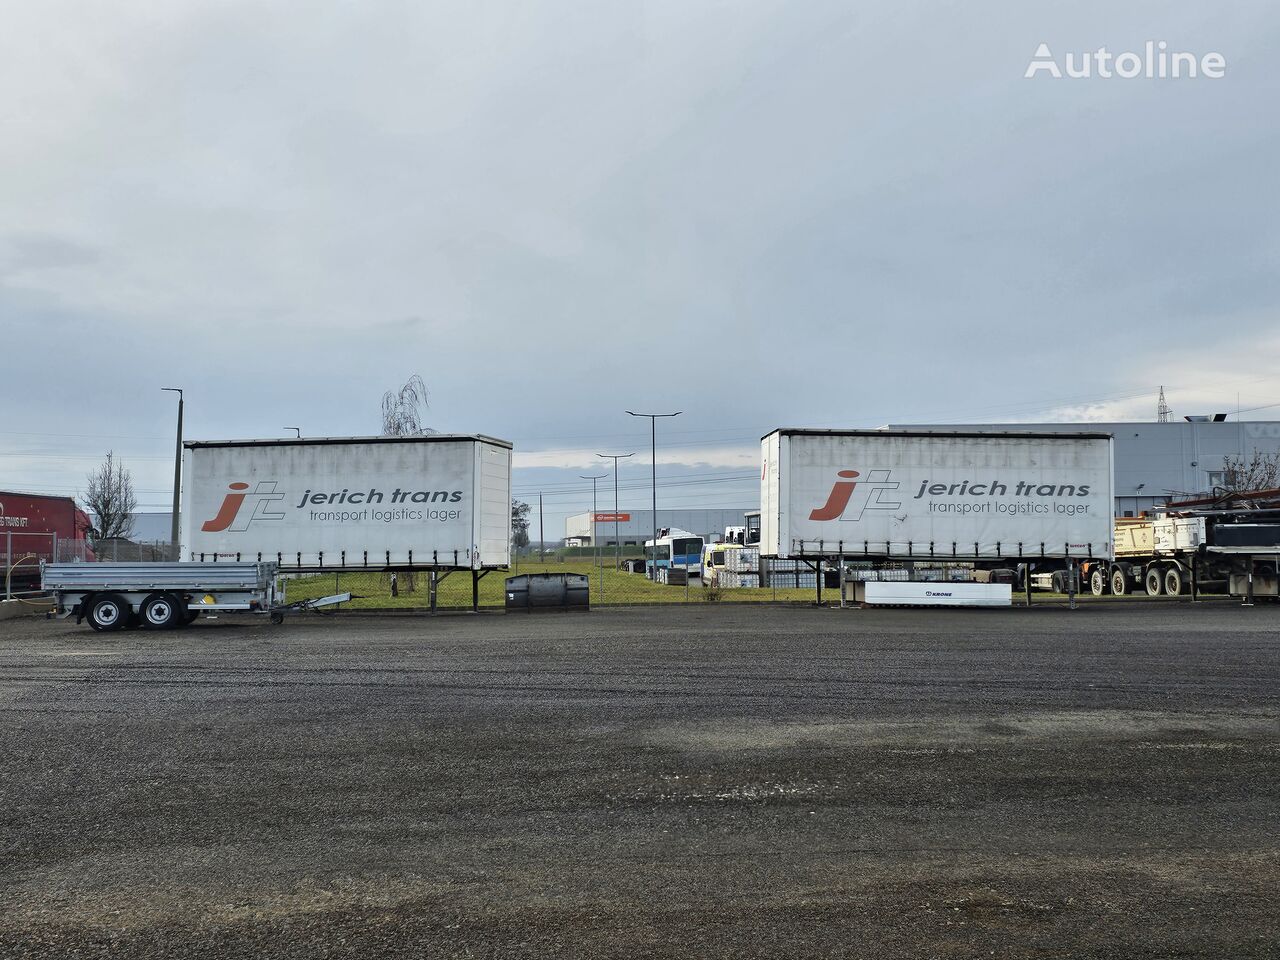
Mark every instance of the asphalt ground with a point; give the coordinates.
(659, 782)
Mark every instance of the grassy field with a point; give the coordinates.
(607, 587)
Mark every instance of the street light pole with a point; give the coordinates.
(617, 540)
(595, 542)
(653, 442)
(297, 432)
(177, 476)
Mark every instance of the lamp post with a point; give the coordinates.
(297, 432)
(653, 446)
(617, 540)
(177, 475)
(595, 543)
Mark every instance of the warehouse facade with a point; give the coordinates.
(634, 527)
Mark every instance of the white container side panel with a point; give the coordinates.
(494, 498)
(992, 496)
(770, 487)
(937, 595)
(332, 504)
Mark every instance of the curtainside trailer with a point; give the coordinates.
(435, 502)
(1025, 501)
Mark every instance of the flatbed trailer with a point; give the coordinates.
(158, 596)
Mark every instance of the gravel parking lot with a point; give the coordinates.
(708, 781)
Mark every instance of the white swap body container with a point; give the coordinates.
(924, 494)
(349, 502)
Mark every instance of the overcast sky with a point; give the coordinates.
(762, 214)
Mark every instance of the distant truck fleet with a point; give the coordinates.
(1225, 544)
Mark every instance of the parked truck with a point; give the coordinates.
(1024, 502)
(1222, 544)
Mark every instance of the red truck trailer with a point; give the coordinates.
(36, 527)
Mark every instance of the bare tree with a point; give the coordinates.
(519, 524)
(1260, 472)
(109, 500)
(403, 409)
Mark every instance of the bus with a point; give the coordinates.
(676, 549)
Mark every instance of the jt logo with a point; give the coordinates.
(850, 496)
(232, 515)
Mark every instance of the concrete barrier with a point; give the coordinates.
(9, 609)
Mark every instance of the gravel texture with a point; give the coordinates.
(684, 782)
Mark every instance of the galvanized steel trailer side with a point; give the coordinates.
(160, 595)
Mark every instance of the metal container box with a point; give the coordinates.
(933, 495)
(343, 503)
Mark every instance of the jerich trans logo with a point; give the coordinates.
(235, 516)
(851, 497)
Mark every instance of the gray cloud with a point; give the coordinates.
(761, 213)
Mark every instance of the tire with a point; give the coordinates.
(161, 611)
(1097, 582)
(1174, 584)
(1059, 581)
(108, 612)
(1119, 583)
(191, 617)
(1154, 582)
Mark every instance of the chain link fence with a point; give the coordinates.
(22, 553)
(610, 584)
(725, 576)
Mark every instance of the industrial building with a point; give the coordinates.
(634, 527)
(1155, 462)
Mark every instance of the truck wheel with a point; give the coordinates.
(1097, 582)
(191, 617)
(1154, 582)
(1174, 585)
(161, 611)
(1059, 582)
(108, 612)
(1119, 583)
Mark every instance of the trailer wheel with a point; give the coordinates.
(1119, 583)
(108, 612)
(191, 617)
(1174, 585)
(1097, 582)
(1154, 582)
(161, 611)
